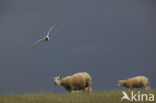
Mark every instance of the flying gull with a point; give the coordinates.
(46, 38)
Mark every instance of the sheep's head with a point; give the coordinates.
(120, 83)
(58, 80)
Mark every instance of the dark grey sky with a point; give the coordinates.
(109, 39)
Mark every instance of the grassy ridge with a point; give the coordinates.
(96, 97)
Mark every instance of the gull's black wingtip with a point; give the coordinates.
(33, 47)
(56, 25)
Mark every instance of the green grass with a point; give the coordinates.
(96, 97)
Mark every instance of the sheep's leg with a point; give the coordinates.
(79, 91)
(73, 91)
(88, 89)
(70, 90)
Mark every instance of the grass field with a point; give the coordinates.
(96, 97)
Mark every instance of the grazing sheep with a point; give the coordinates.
(135, 82)
(75, 82)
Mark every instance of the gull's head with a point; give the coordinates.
(47, 38)
(57, 80)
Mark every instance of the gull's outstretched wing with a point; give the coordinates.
(38, 42)
(50, 30)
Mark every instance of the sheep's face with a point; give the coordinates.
(57, 80)
(120, 83)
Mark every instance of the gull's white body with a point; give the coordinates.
(46, 38)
